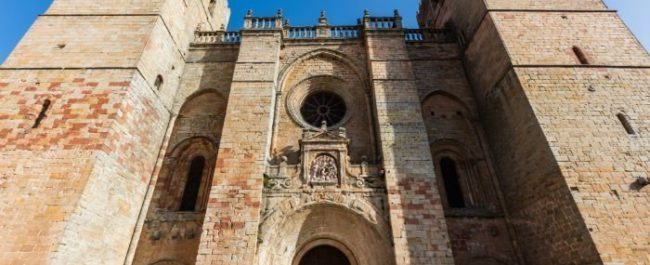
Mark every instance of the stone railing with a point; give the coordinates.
(344, 32)
(394, 22)
(381, 23)
(313, 32)
(263, 23)
(323, 30)
(423, 35)
(232, 37)
(216, 37)
(301, 33)
(414, 35)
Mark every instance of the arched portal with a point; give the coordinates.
(324, 255)
(289, 238)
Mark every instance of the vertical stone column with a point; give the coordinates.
(231, 224)
(417, 220)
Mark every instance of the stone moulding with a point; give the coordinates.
(324, 163)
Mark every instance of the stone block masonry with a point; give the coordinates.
(233, 215)
(558, 100)
(419, 230)
(79, 177)
(502, 132)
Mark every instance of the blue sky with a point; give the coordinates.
(17, 15)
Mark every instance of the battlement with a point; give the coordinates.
(321, 31)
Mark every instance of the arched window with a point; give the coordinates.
(193, 184)
(452, 183)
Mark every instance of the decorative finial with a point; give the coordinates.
(286, 22)
(280, 12)
(249, 13)
(323, 18)
(366, 13)
(323, 126)
(396, 12)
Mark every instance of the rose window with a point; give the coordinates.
(323, 106)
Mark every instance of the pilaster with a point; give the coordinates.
(232, 220)
(417, 220)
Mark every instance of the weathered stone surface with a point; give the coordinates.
(140, 132)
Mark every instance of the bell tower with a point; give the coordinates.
(560, 88)
(87, 95)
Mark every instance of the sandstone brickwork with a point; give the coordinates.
(500, 132)
(535, 68)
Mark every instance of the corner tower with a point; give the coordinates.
(88, 95)
(560, 87)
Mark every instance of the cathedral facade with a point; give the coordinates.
(499, 132)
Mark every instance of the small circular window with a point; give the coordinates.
(323, 106)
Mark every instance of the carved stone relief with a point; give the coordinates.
(324, 171)
(324, 162)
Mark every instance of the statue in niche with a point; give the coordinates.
(324, 170)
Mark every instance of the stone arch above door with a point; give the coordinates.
(324, 242)
(293, 227)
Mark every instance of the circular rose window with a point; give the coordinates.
(323, 106)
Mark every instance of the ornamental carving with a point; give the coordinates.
(324, 170)
(324, 163)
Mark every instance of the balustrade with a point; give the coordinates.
(323, 30)
(301, 33)
(216, 37)
(342, 32)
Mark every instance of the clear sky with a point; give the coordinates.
(17, 15)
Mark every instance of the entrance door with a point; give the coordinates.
(324, 255)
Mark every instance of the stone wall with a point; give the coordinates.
(231, 225)
(599, 160)
(557, 144)
(416, 216)
(478, 231)
(542, 105)
(105, 124)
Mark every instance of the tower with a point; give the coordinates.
(560, 88)
(87, 95)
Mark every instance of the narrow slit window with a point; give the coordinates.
(211, 6)
(452, 183)
(159, 82)
(41, 115)
(193, 184)
(580, 55)
(626, 123)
